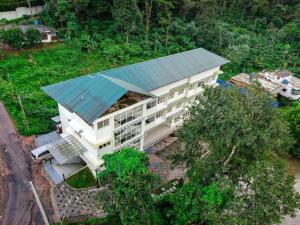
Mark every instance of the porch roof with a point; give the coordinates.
(66, 149)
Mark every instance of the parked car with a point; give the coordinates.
(41, 154)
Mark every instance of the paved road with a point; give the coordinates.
(20, 205)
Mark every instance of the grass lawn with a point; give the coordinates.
(24, 73)
(82, 179)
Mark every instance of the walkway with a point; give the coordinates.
(74, 203)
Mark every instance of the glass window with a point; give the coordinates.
(171, 94)
(103, 123)
(122, 135)
(150, 120)
(180, 91)
(178, 105)
(159, 114)
(151, 104)
(128, 116)
(191, 87)
(169, 109)
(177, 119)
(161, 99)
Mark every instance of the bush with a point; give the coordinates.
(13, 37)
(33, 37)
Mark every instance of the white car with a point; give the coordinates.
(41, 154)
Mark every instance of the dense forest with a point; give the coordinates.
(253, 34)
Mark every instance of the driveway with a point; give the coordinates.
(20, 205)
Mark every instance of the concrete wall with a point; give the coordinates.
(19, 12)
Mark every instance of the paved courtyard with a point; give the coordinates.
(159, 161)
(71, 202)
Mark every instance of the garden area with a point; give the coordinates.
(83, 179)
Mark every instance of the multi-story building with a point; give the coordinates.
(135, 105)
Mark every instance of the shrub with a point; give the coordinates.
(33, 37)
(13, 37)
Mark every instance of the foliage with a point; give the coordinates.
(129, 186)
(127, 16)
(292, 115)
(33, 37)
(243, 161)
(13, 37)
(83, 179)
(245, 122)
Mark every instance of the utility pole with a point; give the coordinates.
(39, 204)
(29, 5)
(24, 114)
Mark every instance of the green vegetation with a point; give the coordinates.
(83, 179)
(130, 184)
(254, 35)
(92, 221)
(237, 178)
(13, 37)
(292, 115)
(245, 139)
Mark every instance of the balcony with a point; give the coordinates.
(156, 134)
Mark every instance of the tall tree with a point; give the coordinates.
(292, 115)
(129, 185)
(148, 11)
(127, 16)
(164, 16)
(235, 138)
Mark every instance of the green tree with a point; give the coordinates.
(127, 16)
(32, 37)
(164, 16)
(129, 185)
(292, 115)
(234, 138)
(13, 37)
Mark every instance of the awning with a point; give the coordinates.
(66, 150)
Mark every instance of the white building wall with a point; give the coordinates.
(95, 137)
(20, 11)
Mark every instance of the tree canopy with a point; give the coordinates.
(129, 185)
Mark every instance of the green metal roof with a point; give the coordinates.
(91, 95)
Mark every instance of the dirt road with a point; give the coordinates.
(20, 205)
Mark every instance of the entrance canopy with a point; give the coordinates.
(66, 150)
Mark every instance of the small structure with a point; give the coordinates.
(277, 83)
(49, 34)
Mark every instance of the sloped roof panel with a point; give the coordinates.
(91, 95)
(88, 96)
(159, 72)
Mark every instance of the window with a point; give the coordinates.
(151, 104)
(180, 91)
(150, 120)
(159, 114)
(103, 123)
(200, 84)
(135, 143)
(191, 87)
(161, 99)
(104, 145)
(178, 105)
(171, 95)
(122, 135)
(128, 116)
(177, 119)
(169, 110)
